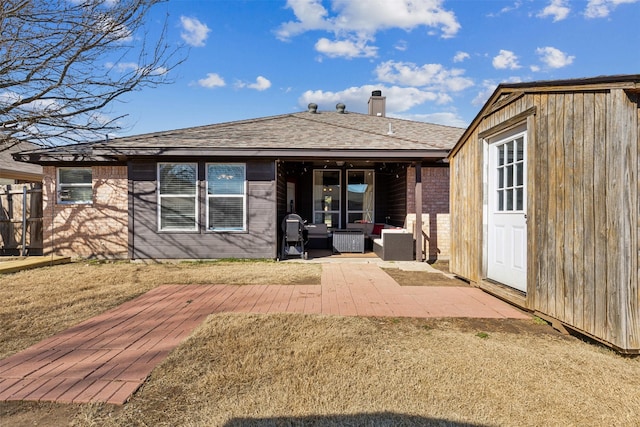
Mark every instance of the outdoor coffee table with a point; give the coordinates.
(348, 241)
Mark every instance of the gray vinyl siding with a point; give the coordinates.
(258, 241)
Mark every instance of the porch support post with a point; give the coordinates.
(418, 223)
(24, 220)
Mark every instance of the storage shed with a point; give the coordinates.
(545, 203)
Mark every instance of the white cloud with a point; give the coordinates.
(602, 8)
(515, 6)
(311, 16)
(506, 59)
(399, 99)
(432, 76)
(261, 84)
(553, 57)
(40, 106)
(368, 16)
(359, 20)
(401, 45)
(211, 81)
(115, 29)
(557, 8)
(194, 32)
(488, 87)
(124, 67)
(345, 48)
(159, 71)
(460, 56)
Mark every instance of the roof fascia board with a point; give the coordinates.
(584, 84)
(19, 175)
(41, 158)
(120, 156)
(504, 102)
(602, 83)
(599, 84)
(274, 153)
(511, 122)
(476, 121)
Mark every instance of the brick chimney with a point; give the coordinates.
(377, 104)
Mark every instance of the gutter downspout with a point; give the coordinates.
(24, 220)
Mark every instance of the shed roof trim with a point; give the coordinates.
(629, 82)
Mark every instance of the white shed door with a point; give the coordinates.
(507, 220)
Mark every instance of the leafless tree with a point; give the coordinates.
(63, 62)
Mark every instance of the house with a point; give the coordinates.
(221, 191)
(20, 202)
(545, 203)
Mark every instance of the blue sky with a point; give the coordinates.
(435, 61)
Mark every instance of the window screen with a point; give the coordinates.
(177, 193)
(74, 185)
(226, 197)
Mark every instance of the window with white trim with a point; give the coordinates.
(226, 197)
(74, 186)
(177, 196)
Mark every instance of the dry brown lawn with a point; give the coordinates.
(286, 369)
(39, 303)
(422, 278)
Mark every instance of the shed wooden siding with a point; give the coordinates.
(259, 241)
(583, 227)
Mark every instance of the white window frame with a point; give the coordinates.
(339, 194)
(61, 187)
(161, 196)
(242, 196)
(373, 197)
(497, 144)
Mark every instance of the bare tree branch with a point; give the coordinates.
(62, 62)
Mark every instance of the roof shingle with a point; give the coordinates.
(288, 134)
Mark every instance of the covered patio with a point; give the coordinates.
(346, 203)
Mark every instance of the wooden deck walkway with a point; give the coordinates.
(108, 357)
(25, 263)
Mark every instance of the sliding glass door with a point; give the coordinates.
(328, 191)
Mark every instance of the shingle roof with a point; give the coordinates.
(305, 130)
(283, 135)
(11, 169)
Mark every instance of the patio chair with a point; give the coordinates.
(293, 236)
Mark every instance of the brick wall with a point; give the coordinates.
(98, 230)
(435, 209)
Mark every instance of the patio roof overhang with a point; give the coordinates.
(116, 154)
